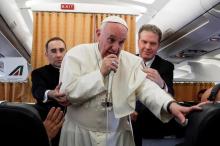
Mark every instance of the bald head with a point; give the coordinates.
(207, 93)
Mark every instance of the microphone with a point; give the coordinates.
(111, 74)
(108, 100)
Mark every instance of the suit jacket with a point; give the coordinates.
(147, 125)
(44, 78)
(165, 69)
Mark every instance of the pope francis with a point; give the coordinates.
(102, 82)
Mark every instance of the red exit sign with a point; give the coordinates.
(67, 6)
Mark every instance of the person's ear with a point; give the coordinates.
(46, 53)
(98, 33)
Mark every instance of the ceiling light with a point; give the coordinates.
(210, 61)
(217, 56)
(88, 8)
(178, 73)
(185, 68)
(145, 1)
(214, 39)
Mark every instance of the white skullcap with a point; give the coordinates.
(115, 19)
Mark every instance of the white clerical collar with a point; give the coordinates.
(148, 63)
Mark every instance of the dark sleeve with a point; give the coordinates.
(167, 76)
(139, 107)
(38, 85)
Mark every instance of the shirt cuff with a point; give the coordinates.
(45, 96)
(165, 87)
(168, 106)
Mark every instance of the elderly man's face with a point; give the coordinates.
(111, 38)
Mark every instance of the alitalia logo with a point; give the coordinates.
(18, 71)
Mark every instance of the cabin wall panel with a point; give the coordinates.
(189, 91)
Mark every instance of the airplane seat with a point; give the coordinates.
(203, 127)
(168, 134)
(21, 125)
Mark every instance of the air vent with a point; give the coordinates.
(189, 53)
(215, 38)
(1, 55)
(215, 11)
(1, 66)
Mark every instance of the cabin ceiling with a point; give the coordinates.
(6, 48)
(20, 19)
(9, 44)
(152, 8)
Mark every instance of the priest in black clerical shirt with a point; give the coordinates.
(45, 80)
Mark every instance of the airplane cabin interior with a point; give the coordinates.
(190, 41)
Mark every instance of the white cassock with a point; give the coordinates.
(87, 122)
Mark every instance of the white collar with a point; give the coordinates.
(149, 62)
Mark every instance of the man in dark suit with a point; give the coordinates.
(45, 80)
(145, 124)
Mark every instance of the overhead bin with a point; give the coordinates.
(190, 32)
(12, 16)
(178, 13)
(198, 37)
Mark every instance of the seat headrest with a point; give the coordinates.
(21, 125)
(203, 126)
(29, 107)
